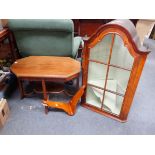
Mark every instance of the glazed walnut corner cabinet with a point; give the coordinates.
(113, 60)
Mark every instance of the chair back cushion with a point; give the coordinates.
(43, 36)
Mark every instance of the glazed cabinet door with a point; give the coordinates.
(109, 68)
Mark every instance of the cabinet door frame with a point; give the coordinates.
(138, 64)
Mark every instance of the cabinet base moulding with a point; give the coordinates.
(104, 113)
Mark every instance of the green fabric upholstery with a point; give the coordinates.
(77, 42)
(44, 37)
(44, 43)
(42, 24)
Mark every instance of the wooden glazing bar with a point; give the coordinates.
(100, 62)
(110, 91)
(111, 48)
(116, 66)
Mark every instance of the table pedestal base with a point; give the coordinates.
(45, 89)
(69, 108)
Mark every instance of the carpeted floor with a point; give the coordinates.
(27, 115)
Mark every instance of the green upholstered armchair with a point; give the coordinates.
(45, 37)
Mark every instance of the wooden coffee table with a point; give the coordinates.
(45, 68)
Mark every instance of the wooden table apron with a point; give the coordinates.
(43, 81)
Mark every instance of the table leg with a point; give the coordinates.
(45, 95)
(77, 83)
(21, 89)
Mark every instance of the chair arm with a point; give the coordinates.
(76, 44)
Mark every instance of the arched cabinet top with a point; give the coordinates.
(127, 32)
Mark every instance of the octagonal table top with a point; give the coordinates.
(46, 67)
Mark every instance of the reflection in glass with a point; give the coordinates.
(94, 96)
(120, 54)
(113, 102)
(97, 74)
(100, 51)
(118, 80)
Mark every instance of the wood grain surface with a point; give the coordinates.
(46, 67)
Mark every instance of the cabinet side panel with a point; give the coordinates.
(137, 70)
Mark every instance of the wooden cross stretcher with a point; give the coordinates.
(69, 108)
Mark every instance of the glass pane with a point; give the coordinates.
(118, 80)
(120, 54)
(100, 51)
(112, 103)
(94, 96)
(97, 74)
